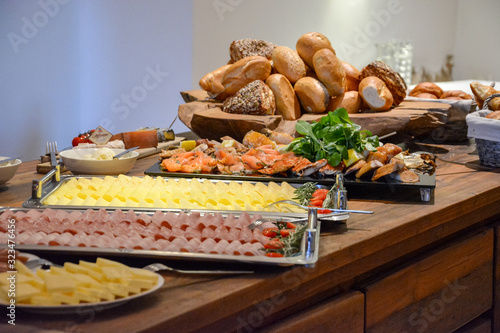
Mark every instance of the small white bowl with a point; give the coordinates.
(75, 162)
(8, 171)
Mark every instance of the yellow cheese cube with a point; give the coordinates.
(23, 291)
(85, 297)
(118, 289)
(144, 274)
(139, 283)
(84, 280)
(115, 274)
(74, 268)
(90, 265)
(65, 298)
(107, 262)
(59, 283)
(100, 292)
(43, 300)
(21, 268)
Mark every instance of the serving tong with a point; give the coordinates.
(339, 202)
(55, 172)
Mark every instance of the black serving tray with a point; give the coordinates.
(383, 189)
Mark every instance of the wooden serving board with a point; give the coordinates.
(44, 168)
(205, 118)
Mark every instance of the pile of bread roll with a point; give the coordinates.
(482, 93)
(430, 90)
(265, 79)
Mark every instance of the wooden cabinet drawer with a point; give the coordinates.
(341, 314)
(439, 291)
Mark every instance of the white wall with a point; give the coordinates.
(477, 48)
(120, 64)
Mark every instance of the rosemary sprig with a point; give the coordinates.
(303, 194)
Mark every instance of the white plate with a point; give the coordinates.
(85, 308)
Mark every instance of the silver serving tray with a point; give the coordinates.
(36, 201)
(308, 255)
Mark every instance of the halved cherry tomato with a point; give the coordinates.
(270, 232)
(274, 254)
(290, 225)
(274, 244)
(324, 211)
(316, 202)
(285, 232)
(320, 194)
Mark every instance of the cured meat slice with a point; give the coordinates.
(61, 239)
(206, 245)
(220, 247)
(253, 249)
(191, 246)
(234, 248)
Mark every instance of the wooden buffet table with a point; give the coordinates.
(410, 266)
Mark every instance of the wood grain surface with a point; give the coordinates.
(206, 118)
(465, 199)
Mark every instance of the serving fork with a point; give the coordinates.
(156, 267)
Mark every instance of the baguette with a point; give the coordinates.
(375, 93)
(245, 71)
(312, 94)
(287, 103)
(330, 71)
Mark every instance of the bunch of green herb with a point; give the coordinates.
(331, 138)
(303, 194)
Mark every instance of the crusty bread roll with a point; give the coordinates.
(245, 71)
(425, 95)
(212, 83)
(392, 79)
(309, 43)
(312, 94)
(352, 76)
(493, 115)
(254, 98)
(482, 92)
(288, 62)
(248, 47)
(350, 100)
(375, 93)
(330, 71)
(455, 94)
(287, 103)
(427, 87)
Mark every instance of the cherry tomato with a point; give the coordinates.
(320, 194)
(316, 202)
(290, 225)
(270, 232)
(285, 232)
(324, 211)
(274, 244)
(274, 254)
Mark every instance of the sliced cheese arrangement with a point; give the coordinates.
(73, 284)
(159, 192)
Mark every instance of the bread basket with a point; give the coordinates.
(486, 133)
